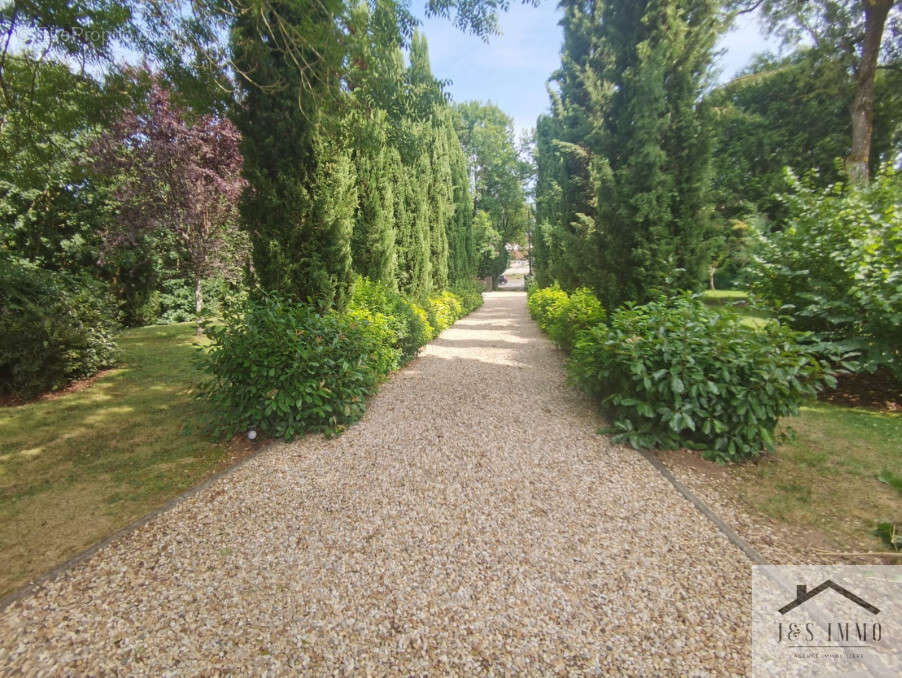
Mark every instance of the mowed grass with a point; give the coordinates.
(835, 473)
(76, 467)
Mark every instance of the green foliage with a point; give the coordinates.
(675, 373)
(50, 206)
(581, 311)
(623, 160)
(373, 241)
(54, 328)
(443, 309)
(299, 210)
(382, 332)
(836, 266)
(286, 369)
(491, 255)
(546, 305)
(487, 136)
(174, 303)
(469, 292)
(408, 322)
(777, 113)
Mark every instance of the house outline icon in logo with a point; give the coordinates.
(803, 595)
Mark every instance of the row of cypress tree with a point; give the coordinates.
(623, 160)
(351, 155)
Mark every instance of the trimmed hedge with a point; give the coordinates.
(409, 321)
(54, 328)
(564, 316)
(285, 369)
(469, 294)
(546, 305)
(443, 309)
(580, 312)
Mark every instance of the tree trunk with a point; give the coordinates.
(875, 12)
(711, 272)
(198, 303)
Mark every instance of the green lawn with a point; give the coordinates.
(836, 473)
(78, 466)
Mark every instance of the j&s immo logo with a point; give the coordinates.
(803, 595)
(843, 620)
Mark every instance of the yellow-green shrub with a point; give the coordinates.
(580, 312)
(443, 309)
(546, 305)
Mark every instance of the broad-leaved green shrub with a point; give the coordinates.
(383, 335)
(835, 267)
(54, 328)
(286, 369)
(676, 373)
(546, 305)
(581, 311)
(409, 321)
(470, 295)
(444, 308)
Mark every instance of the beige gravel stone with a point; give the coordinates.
(472, 523)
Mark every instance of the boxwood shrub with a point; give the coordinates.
(675, 373)
(285, 369)
(54, 328)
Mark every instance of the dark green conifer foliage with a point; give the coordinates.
(441, 206)
(624, 192)
(417, 248)
(299, 207)
(461, 261)
(373, 242)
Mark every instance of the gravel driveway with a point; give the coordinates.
(472, 522)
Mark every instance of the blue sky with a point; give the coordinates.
(512, 68)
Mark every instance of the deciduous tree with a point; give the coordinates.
(173, 173)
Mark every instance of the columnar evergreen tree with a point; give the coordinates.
(441, 206)
(412, 224)
(630, 165)
(418, 245)
(373, 242)
(461, 260)
(299, 209)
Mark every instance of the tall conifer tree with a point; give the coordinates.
(630, 148)
(299, 207)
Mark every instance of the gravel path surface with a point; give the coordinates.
(472, 522)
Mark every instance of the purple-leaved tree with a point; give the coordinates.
(178, 173)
